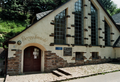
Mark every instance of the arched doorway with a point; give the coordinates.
(32, 59)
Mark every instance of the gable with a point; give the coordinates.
(102, 16)
(106, 14)
(71, 29)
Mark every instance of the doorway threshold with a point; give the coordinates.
(35, 72)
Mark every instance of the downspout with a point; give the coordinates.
(6, 58)
(115, 53)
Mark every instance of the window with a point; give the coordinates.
(79, 22)
(94, 26)
(95, 55)
(60, 28)
(107, 34)
(79, 56)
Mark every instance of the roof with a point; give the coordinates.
(42, 14)
(117, 43)
(116, 18)
(41, 17)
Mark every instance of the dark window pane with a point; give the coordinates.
(79, 22)
(95, 55)
(94, 27)
(79, 56)
(60, 28)
(107, 34)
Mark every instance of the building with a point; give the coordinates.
(77, 33)
(116, 18)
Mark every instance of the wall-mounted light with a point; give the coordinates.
(19, 42)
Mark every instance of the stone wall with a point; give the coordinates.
(14, 64)
(53, 61)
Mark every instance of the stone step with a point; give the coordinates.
(63, 71)
(57, 73)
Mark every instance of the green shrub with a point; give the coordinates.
(10, 29)
(12, 23)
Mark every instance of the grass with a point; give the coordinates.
(8, 26)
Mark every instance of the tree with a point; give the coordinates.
(117, 11)
(109, 6)
(31, 6)
(37, 6)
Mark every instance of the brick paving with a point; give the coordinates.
(78, 71)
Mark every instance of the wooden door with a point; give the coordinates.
(32, 63)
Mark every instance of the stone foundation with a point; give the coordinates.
(53, 61)
(14, 64)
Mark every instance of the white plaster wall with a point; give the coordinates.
(104, 16)
(117, 52)
(43, 29)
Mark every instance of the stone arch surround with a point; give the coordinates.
(42, 54)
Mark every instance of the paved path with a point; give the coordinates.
(78, 71)
(110, 77)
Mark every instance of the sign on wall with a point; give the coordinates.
(58, 48)
(67, 51)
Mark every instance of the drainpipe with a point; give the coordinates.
(6, 58)
(115, 53)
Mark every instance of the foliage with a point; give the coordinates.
(15, 15)
(12, 15)
(1, 41)
(117, 11)
(10, 28)
(14, 8)
(0, 9)
(110, 6)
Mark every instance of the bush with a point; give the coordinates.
(12, 15)
(11, 23)
(1, 41)
(10, 29)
